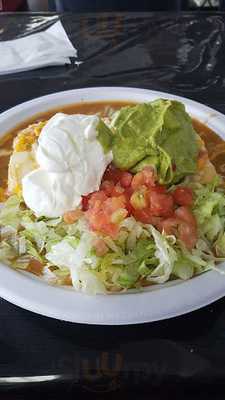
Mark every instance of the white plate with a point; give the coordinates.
(159, 302)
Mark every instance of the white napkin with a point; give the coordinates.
(49, 47)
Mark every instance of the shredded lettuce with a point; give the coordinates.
(213, 226)
(183, 268)
(140, 254)
(220, 245)
(10, 214)
(71, 255)
(166, 256)
(7, 252)
(138, 263)
(62, 255)
(209, 209)
(32, 251)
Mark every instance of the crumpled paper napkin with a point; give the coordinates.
(46, 48)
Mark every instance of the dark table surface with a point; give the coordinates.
(179, 53)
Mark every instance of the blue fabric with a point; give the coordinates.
(113, 5)
(124, 5)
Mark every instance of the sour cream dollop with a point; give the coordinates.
(71, 164)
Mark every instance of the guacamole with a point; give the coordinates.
(159, 133)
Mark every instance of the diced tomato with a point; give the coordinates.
(183, 225)
(143, 215)
(186, 215)
(85, 201)
(105, 213)
(123, 194)
(101, 223)
(161, 205)
(112, 174)
(117, 190)
(145, 177)
(100, 247)
(188, 234)
(137, 181)
(183, 196)
(113, 203)
(149, 175)
(139, 198)
(111, 229)
(119, 215)
(169, 225)
(72, 216)
(95, 219)
(126, 179)
(107, 187)
(156, 221)
(35, 266)
(158, 189)
(127, 194)
(96, 199)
